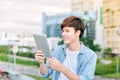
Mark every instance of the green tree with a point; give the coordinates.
(60, 42)
(88, 42)
(95, 48)
(107, 51)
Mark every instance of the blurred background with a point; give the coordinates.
(20, 19)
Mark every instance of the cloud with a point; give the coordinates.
(25, 15)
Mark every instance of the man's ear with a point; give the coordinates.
(78, 32)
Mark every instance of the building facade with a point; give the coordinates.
(111, 23)
(82, 5)
(94, 5)
(51, 24)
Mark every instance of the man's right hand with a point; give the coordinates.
(39, 56)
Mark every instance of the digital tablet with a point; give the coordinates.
(42, 44)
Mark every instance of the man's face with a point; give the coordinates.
(69, 35)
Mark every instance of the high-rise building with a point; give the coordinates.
(4, 36)
(51, 25)
(111, 22)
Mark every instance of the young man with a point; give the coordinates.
(72, 60)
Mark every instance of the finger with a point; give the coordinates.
(38, 57)
(52, 66)
(39, 54)
(38, 51)
(50, 60)
(51, 63)
(53, 58)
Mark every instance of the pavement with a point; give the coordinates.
(19, 68)
(32, 70)
(102, 78)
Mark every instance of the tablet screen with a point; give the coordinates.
(42, 44)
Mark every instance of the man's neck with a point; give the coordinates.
(74, 46)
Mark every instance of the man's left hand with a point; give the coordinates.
(55, 64)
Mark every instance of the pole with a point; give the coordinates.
(117, 66)
(15, 50)
(117, 58)
(14, 60)
(9, 60)
(8, 52)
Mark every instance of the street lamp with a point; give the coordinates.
(9, 51)
(14, 50)
(117, 56)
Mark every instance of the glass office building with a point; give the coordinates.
(51, 24)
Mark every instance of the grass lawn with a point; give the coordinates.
(38, 77)
(4, 58)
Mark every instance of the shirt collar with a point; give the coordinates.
(82, 49)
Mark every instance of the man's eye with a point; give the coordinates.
(67, 31)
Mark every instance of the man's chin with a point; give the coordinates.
(65, 42)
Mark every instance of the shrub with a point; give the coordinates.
(26, 54)
(102, 69)
(27, 62)
(107, 51)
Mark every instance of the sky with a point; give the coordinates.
(24, 16)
